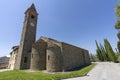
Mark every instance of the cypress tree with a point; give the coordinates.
(112, 56)
(99, 53)
(92, 58)
(104, 53)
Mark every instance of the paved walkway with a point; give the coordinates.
(102, 71)
(2, 70)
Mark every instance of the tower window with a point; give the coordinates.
(25, 59)
(32, 16)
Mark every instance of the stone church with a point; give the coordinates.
(46, 53)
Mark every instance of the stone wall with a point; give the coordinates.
(87, 58)
(73, 57)
(4, 62)
(38, 56)
(13, 57)
(54, 58)
(3, 65)
(62, 56)
(12, 60)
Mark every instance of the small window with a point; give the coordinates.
(32, 16)
(48, 57)
(32, 55)
(25, 59)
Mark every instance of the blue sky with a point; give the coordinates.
(77, 22)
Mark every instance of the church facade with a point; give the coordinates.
(45, 53)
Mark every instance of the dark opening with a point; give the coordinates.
(29, 51)
(32, 55)
(48, 57)
(32, 16)
(25, 59)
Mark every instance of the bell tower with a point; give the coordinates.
(27, 39)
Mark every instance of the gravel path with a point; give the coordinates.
(102, 71)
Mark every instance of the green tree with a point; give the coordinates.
(99, 53)
(112, 56)
(104, 53)
(92, 58)
(118, 43)
(118, 46)
(117, 25)
(118, 35)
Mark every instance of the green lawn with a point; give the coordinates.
(23, 75)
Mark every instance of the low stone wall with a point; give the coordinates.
(3, 65)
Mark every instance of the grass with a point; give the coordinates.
(23, 75)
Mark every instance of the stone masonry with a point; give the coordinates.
(54, 56)
(45, 53)
(27, 39)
